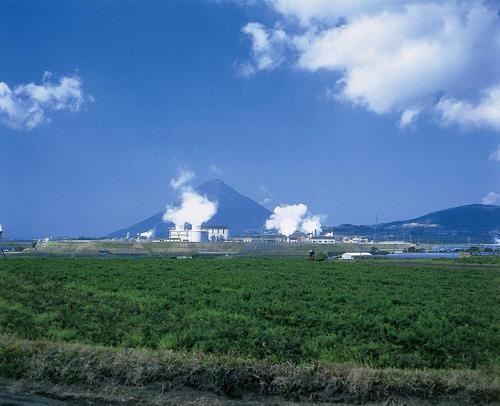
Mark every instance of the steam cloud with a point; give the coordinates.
(194, 209)
(148, 234)
(491, 198)
(184, 177)
(289, 218)
(311, 225)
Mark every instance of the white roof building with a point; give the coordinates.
(321, 240)
(354, 255)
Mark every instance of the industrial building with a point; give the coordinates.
(321, 240)
(217, 233)
(200, 234)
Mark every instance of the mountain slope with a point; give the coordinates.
(241, 214)
(472, 216)
(479, 222)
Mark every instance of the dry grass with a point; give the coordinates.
(161, 371)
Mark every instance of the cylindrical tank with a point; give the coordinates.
(195, 234)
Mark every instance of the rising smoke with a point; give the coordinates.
(311, 225)
(185, 176)
(194, 209)
(289, 218)
(148, 234)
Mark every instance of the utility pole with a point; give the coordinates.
(1, 242)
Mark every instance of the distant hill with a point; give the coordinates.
(479, 222)
(240, 213)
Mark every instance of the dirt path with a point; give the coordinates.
(27, 393)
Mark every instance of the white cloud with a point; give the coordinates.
(495, 155)
(394, 56)
(491, 198)
(308, 11)
(25, 106)
(408, 117)
(267, 48)
(185, 176)
(485, 113)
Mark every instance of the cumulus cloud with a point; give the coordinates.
(491, 198)
(310, 11)
(25, 106)
(495, 155)
(394, 56)
(289, 218)
(485, 113)
(185, 176)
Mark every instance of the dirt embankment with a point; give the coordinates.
(166, 248)
(81, 373)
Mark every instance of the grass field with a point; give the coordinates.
(371, 313)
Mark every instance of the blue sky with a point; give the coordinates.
(154, 86)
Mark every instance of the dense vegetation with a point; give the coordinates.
(373, 313)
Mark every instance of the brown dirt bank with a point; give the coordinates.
(97, 374)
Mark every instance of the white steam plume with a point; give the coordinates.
(311, 225)
(148, 234)
(194, 209)
(289, 218)
(185, 176)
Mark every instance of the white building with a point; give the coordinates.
(217, 233)
(195, 235)
(354, 255)
(356, 240)
(323, 239)
(198, 234)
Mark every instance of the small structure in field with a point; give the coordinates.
(355, 255)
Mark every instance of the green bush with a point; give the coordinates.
(320, 256)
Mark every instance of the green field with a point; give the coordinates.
(371, 313)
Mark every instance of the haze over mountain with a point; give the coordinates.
(480, 223)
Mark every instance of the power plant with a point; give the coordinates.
(199, 234)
